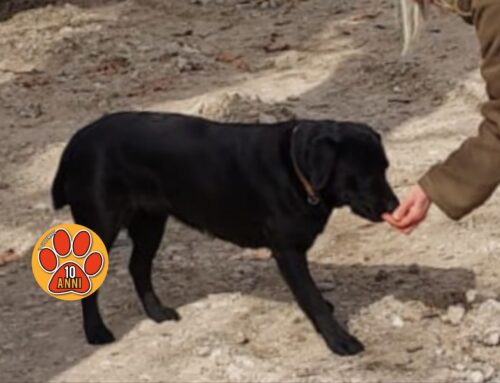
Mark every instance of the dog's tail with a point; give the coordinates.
(59, 199)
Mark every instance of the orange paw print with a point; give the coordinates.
(70, 277)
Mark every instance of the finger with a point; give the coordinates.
(402, 210)
(411, 229)
(389, 219)
(414, 216)
(407, 222)
(392, 222)
(401, 228)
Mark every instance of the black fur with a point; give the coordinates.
(235, 181)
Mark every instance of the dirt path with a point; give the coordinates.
(62, 66)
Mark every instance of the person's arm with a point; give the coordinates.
(470, 175)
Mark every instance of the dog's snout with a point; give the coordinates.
(392, 205)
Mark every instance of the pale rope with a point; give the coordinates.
(412, 14)
(411, 17)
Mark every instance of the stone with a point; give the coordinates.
(42, 206)
(460, 367)
(265, 118)
(454, 315)
(488, 372)
(241, 338)
(397, 321)
(203, 351)
(491, 337)
(471, 296)
(476, 377)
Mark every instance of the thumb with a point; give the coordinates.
(403, 209)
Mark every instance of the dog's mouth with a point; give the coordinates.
(365, 211)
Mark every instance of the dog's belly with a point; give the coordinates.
(241, 225)
(239, 230)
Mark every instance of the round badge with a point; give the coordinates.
(69, 262)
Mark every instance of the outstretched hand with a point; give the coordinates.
(411, 212)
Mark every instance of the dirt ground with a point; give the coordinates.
(425, 306)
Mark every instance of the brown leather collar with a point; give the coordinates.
(312, 197)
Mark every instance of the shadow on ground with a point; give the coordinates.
(182, 279)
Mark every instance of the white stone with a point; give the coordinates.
(488, 372)
(397, 321)
(266, 118)
(454, 315)
(471, 296)
(491, 337)
(203, 351)
(476, 377)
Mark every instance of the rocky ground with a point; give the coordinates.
(427, 307)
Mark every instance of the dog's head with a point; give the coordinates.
(345, 163)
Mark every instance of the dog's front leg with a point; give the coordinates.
(294, 268)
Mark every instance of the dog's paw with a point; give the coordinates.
(156, 311)
(99, 336)
(162, 314)
(70, 277)
(346, 345)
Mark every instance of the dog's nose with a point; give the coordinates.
(392, 205)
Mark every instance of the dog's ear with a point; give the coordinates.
(314, 147)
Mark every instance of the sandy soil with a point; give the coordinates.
(426, 307)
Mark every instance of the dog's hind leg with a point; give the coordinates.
(294, 268)
(146, 231)
(107, 226)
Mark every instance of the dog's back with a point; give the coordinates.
(207, 174)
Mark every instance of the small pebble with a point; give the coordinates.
(241, 338)
(488, 372)
(471, 296)
(414, 348)
(397, 321)
(145, 378)
(41, 206)
(454, 315)
(491, 337)
(265, 118)
(203, 351)
(476, 377)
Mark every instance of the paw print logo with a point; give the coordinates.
(70, 262)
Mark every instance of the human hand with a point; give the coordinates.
(411, 212)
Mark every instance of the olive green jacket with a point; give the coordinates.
(471, 174)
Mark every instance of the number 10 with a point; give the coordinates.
(70, 271)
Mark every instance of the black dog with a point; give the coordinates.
(254, 185)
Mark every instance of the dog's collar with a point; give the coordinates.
(312, 197)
